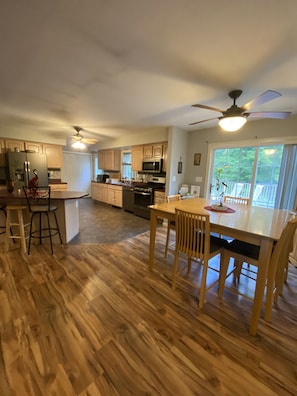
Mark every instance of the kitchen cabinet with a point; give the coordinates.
(102, 194)
(54, 155)
(111, 194)
(137, 157)
(152, 151)
(58, 186)
(115, 195)
(14, 145)
(34, 146)
(109, 160)
(159, 197)
(20, 145)
(95, 191)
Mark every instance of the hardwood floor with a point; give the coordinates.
(92, 320)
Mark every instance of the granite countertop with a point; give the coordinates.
(56, 181)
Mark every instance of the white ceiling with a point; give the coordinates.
(118, 65)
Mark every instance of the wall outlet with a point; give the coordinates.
(198, 179)
(173, 178)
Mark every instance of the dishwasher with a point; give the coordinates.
(128, 198)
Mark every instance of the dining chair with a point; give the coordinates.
(283, 264)
(40, 208)
(193, 239)
(171, 223)
(249, 253)
(236, 200)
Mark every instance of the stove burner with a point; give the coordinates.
(143, 189)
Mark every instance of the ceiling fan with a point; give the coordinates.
(78, 138)
(235, 117)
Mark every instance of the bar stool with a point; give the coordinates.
(40, 208)
(3, 211)
(14, 219)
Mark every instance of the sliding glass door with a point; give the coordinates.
(250, 172)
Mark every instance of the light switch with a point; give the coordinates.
(198, 179)
(173, 178)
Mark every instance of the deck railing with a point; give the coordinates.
(263, 194)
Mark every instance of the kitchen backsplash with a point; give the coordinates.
(54, 174)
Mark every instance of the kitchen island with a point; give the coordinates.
(67, 203)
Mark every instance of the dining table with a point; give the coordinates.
(257, 225)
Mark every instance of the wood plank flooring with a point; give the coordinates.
(92, 320)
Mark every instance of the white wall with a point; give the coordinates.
(198, 142)
(177, 150)
(133, 138)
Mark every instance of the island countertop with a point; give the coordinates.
(67, 203)
(63, 195)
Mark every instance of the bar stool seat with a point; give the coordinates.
(15, 220)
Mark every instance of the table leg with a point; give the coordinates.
(264, 259)
(153, 227)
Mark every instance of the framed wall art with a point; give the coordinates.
(197, 158)
(195, 191)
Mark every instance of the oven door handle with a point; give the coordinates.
(142, 193)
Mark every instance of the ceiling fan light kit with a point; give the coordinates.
(235, 117)
(78, 145)
(233, 123)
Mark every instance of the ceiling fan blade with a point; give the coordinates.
(89, 141)
(263, 98)
(268, 114)
(199, 122)
(208, 108)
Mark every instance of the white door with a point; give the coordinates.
(77, 170)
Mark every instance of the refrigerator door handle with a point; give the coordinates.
(27, 173)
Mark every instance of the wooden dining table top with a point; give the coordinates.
(257, 221)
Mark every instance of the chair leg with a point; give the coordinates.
(203, 285)
(30, 234)
(237, 271)
(49, 232)
(167, 240)
(175, 268)
(57, 225)
(224, 264)
(40, 229)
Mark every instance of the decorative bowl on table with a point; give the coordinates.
(218, 207)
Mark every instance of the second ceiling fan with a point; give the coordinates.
(235, 117)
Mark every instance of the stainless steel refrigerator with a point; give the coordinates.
(23, 167)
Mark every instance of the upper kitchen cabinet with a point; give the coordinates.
(152, 151)
(109, 160)
(14, 145)
(34, 146)
(137, 157)
(54, 155)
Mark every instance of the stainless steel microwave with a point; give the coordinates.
(152, 165)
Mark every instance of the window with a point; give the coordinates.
(250, 172)
(126, 165)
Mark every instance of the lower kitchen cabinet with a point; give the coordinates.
(99, 192)
(159, 197)
(115, 195)
(107, 193)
